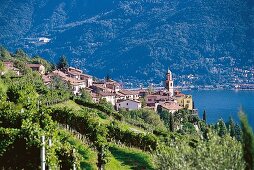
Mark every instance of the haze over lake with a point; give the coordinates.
(224, 103)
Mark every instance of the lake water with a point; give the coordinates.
(223, 103)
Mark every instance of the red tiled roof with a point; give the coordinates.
(128, 92)
(104, 94)
(121, 100)
(171, 106)
(180, 95)
(86, 75)
(64, 77)
(34, 65)
(112, 82)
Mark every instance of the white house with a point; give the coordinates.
(77, 86)
(128, 104)
(110, 97)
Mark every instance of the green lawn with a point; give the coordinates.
(129, 158)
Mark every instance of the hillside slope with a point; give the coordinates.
(143, 37)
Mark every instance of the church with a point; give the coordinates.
(184, 101)
(169, 83)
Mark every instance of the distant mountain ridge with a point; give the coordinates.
(135, 39)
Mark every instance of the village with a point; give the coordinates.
(169, 98)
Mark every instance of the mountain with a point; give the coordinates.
(138, 39)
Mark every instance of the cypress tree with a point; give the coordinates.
(231, 127)
(204, 116)
(247, 141)
(221, 128)
(238, 132)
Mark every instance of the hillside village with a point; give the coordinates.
(66, 112)
(168, 99)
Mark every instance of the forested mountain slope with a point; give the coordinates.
(143, 37)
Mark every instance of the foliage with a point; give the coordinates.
(20, 112)
(144, 118)
(63, 63)
(187, 153)
(57, 92)
(147, 142)
(106, 109)
(3, 89)
(38, 60)
(86, 96)
(221, 128)
(21, 55)
(188, 128)
(87, 157)
(5, 54)
(247, 142)
(87, 125)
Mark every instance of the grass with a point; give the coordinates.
(129, 158)
(88, 156)
(70, 104)
(115, 164)
(127, 126)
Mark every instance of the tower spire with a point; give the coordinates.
(169, 84)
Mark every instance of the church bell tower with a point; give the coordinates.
(169, 84)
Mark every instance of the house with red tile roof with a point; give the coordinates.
(9, 65)
(37, 67)
(169, 106)
(130, 94)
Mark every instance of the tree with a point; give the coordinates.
(143, 102)
(215, 153)
(3, 90)
(238, 133)
(107, 78)
(204, 116)
(38, 60)
(172, 123)
(4, 54)
(63, 63)
(231, 127)
(86, 96)
(188, 128)
(221, 128)
(21, 55)
(247, 142)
